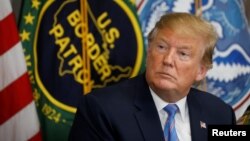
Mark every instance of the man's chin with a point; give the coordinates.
(167, 87)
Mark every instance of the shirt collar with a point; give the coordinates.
(160, 104)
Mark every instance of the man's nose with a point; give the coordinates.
(169, 58)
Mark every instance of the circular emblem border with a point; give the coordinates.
(139, 39)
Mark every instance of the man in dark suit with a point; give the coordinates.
(179, 54)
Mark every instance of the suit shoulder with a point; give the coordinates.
(122, 92)
(207, 98)
(124, 86)
(214, 109)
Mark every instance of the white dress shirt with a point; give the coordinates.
(182, 123)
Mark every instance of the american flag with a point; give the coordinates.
(203, 124)
(18, 117)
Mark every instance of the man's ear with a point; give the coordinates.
(201, 73)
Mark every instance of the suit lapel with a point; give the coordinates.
(198, 130)
(147, 115)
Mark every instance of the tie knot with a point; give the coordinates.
(171, 109)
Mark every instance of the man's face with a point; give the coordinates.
(174, 62)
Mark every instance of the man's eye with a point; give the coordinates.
(184, 55)
(162, 47)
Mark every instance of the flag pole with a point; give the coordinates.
(198, 12)
(198, 8)
(86, 61)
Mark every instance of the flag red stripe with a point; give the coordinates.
(8, 33)
(15, 97)
(18, 117)
(36, 137)
(140, 4)
(242, 102)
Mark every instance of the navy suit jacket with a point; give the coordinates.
(126, 112)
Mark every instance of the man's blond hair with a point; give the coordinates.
(191, 26)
